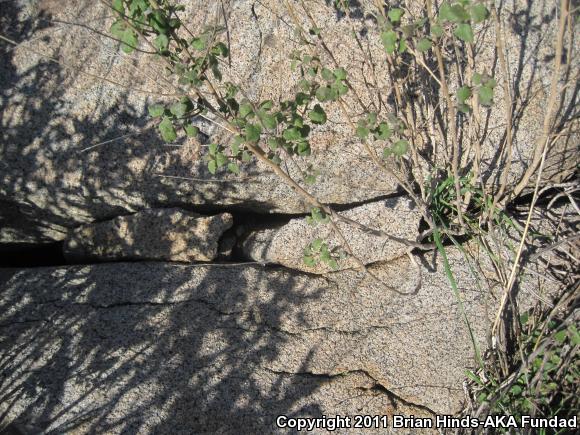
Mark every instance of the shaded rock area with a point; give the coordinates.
(154, 345)
(162, 234)
(156, 348)
(285, 245)
(17, 225)
(75, 150)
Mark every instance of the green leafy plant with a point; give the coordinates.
(433, 102)
(318, 251)
(317, 216)
(545, 382)
(460, 16)
(483, 87)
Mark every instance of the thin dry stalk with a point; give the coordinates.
(516, 265)
(508, 103)
(451, 120)
(539, 150)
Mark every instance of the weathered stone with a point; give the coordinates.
(154, 348)
(162, 234)
(19, 225)
(76, 150)
(285, 245)
(226, 246)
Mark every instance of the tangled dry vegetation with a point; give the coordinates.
(435, 107)
(429, 130)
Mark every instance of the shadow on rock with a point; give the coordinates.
(150, 347)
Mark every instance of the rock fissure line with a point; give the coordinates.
(152, 304)
(23, 322)
(51, 254)
(363, 331)
(378, 386)
(382, 389)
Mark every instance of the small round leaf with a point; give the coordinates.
(232, 167)
(395, 15)
(156, 110)
(424, 45)
(464, 32)
(212, 166)
(400, 147)
(191, 130)
(317, 114)
(252, 132)
(167, 131)
(161, 42)
(463, 93)
(478, 12)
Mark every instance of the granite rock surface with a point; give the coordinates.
(75, 149)
(159, 234)
(157, 347)
(396, 221)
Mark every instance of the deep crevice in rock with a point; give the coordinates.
(51, 253)
(377, 387)
(31, 255)
(345, 207)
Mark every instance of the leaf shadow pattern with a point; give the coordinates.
(157, 346)
(153, 347)
(75, 149)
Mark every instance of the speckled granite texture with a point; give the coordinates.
(157, 348)
(159, 234)
(76, 150)
(397, 217)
